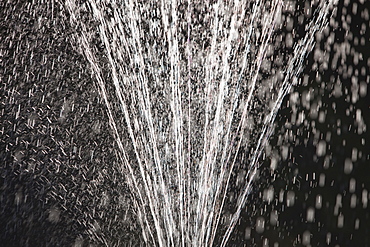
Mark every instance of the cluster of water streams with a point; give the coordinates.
(187, 80)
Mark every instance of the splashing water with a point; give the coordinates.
(188, 98)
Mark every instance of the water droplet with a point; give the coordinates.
(364, 198)
(290, 199)
(348, 166)
(247, 234)
(281, 196)
(321, 148)
(318, 201)
(54, 215)
(274, 217)
(78, 242)
(260, 224)
(352, 185)
(306, 238)
(274, 162)
(340, 220)
(328, 238)
(353, 201)
(322, 180)
(268, 194)
(18, 198)
(357, 224)
(310, 214)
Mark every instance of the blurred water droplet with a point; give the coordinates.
(357, 224)
(18, 198)
(348, 166)
(247, 234)
(54, 215)
(78, 242)
(321, 148)
(318, 201)
(306, 238)
(328, 238)
(340, 220)
(274, 217)
(322, 180)
(260, 224)
(268, 194)
(310, 214)
(353, 201)
(352, 185)
(281, 196)
(273, 165)
(290, 198)
(364, 198)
